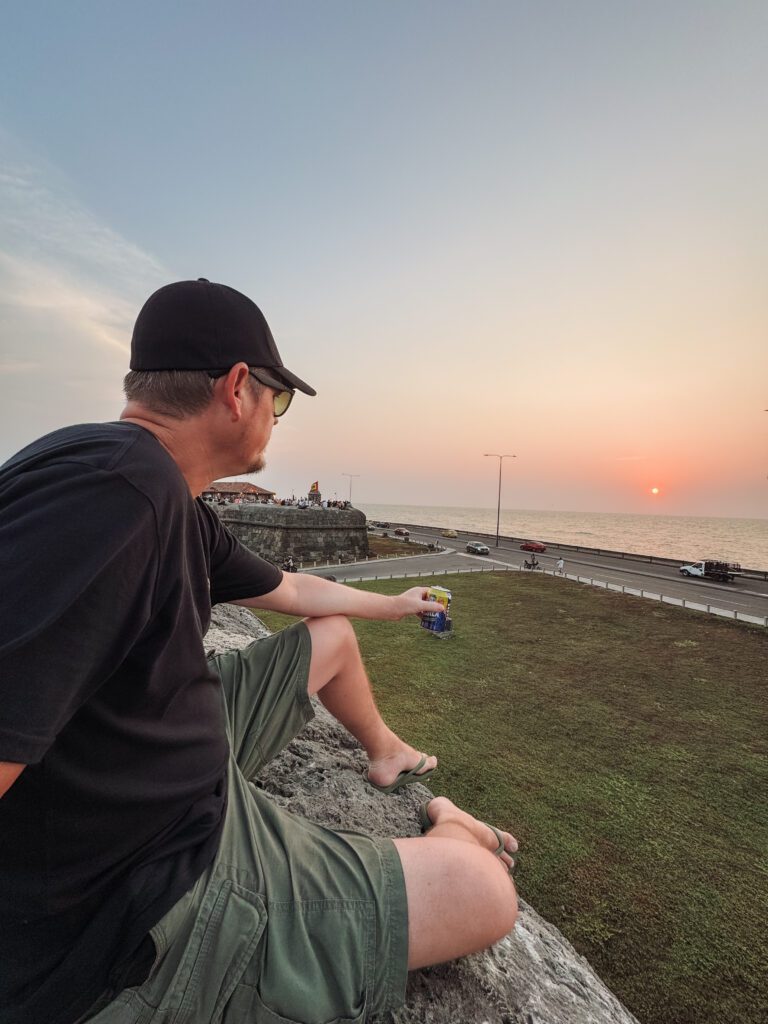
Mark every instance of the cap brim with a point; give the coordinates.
(294, 382)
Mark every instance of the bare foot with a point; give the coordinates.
(449, 820)
(384, 770)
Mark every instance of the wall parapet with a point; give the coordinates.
(306, 534)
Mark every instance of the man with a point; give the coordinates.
(142, 878)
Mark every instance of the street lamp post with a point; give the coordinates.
(494, 455)
(350, 475)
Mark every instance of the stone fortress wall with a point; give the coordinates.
(307, 534)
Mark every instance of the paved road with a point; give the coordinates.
(746, 595)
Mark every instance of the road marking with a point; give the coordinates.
(482, 558)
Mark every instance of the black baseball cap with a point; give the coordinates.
(199, 325)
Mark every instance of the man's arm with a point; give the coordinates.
(305, 595)
(8, 774)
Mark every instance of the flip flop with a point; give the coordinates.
(427, 824)
(405, 778)
(424, 818)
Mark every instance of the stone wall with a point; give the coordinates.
(308, 534)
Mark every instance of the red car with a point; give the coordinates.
(533, 545)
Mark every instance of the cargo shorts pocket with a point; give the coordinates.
(315, 966)
(195, 987)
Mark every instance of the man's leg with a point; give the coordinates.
(337, 675)
(461, 898)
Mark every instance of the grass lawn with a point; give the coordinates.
(624, 743)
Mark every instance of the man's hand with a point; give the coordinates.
(412, 602)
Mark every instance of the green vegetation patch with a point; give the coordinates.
(382, 546)
(624, 743)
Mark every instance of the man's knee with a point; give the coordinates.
(495, 897)
(334, 644)
(331, 631)
(503, 899)
(460, 899)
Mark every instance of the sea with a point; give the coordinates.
(688, 538)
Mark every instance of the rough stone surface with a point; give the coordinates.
(308, 534)
(534, 976)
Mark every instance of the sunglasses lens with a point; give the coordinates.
(282, 401)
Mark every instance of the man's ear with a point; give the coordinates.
(233, 387)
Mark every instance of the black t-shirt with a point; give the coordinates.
(108, 570)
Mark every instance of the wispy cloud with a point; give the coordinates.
(43, 222)
(58, 263)
(70, 287)
(11, 367)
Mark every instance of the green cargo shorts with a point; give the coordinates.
(292, 922)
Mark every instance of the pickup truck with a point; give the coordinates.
(723, 572)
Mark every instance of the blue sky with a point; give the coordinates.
(527, 227)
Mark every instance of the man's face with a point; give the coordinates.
(258, 423)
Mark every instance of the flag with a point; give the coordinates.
(315, 487)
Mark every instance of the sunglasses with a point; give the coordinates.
(284, 396)
(282, 399)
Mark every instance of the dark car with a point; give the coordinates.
(476, 548)
(382, 526)
(533, 545)
(402, 532)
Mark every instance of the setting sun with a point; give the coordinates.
(654, 490)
